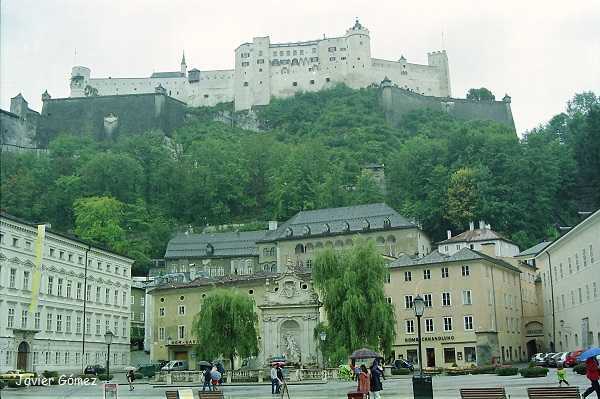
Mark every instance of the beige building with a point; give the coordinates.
(570, 270)
(473, 311)
(475, 238)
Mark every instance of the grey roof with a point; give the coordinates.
(167, 75)
(535, 249)
(223, 244)
(216, 281)
(434, 257)
(476, 235)
(331, 221)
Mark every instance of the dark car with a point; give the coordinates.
(402, 364)
(547, 358)
(95, 369)
(148, 370)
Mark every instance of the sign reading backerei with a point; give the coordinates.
(425, 339)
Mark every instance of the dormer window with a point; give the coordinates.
(289, 232)
(387, 223)
(346, 226)
(307, 230)
(210, 249)
(365, 224)
(326, 228)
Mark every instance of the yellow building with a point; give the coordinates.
(473, 311)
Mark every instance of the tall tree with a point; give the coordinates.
(99, 219)
(463, 197)
(226, 325)
(481, 94)
(351, 285)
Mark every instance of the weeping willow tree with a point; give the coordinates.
(351, 287)
(226, 325)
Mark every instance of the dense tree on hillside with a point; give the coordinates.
(481, 94)
(439, 171)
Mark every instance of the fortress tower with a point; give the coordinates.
(80, 78)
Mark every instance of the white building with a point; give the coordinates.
(48, 298)
(264, 69)
(475, 238)
(570, 269)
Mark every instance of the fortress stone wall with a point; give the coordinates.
(263, 70)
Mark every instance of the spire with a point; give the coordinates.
(183, 59)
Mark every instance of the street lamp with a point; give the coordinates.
(323, 337)
(422, 387)
(108, 337)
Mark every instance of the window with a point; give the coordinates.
(181, 310)
(69, 284)
(388, 299)
(88, 293)
(260, 61)
(80, 260)
(294, 83)
(161, 333)
(408, 301)
(161, 312)
(444, 272)
(28, 244)
(410, 326)
(407, 276)
(25, 280)
(88, 325)
(591, 255)
(98, 326)
(180, 332)
(427, 300)
(245, 64)
(70, 257)
(470, 355)
(61, 254)
(245, 84)
(447, 323)
(98, 294)
(468, 323)
(106, 326)
(58, 323)
(331, 58)
(449, 355)
(13, 276)
(24, 316)
(59, 287)
(49, 322)
(115, 297)
(429, 325)
(446, 299)
(99, 265)
(106, 295)
(125, 298)
(327, 80)
(36, 320)
(78, 325)
(11, 318)
(15, 242)
(116, 327)
(312, 81)
(50, 284)
(584, 257)
(388, 278)
(467, 299)
(465, 270)
(426, 274)
(133, 316)
(580, 294)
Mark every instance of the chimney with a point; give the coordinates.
(449, 233)
(471, 226)
(481, 225)
(488, 226)
(489, 249)
(272, 224)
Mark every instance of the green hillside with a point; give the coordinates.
(132, 194)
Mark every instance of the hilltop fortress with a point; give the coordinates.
(264, 70)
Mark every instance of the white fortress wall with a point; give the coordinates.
(212, 88)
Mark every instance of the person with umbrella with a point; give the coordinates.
(215, 377)
(207, 378)
(376, 376)
(591, 370)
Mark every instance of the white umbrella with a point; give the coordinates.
(128, 368)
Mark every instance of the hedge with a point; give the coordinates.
(532, 372)
(504, 371)
(400, 371)
(104, 377)
(484, 370)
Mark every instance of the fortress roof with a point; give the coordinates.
(210, 245)
(167, 75)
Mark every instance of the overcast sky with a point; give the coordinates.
(539, 52)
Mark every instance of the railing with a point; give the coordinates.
(247, 375)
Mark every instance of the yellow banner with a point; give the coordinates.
(36, 277)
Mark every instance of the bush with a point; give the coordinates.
(138, 376)
(457, 371)
(504, 371)
(104, 377)
(532, 372)
(401, 371)
(579, 369)
(484, 370)
(13, 383)
(531, 364)
(50, 374)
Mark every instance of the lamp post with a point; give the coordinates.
(422, 388)
(323, 337)
(108, 337)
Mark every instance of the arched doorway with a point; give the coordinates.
(23, 353)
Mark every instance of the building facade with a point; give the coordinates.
(58, 297)
(570, 270)
(263, 70)
(473, 312)
(138, 313)
(477, 238)
(18, 127)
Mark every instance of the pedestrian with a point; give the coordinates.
(130, 378)
(376, 375)
(280, 378)
(562, 376)
(593, 374)
(364, 383)
(215, 376)
(274, 380)
(356, 372)
(207, 379)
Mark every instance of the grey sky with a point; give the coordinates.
(539, 52)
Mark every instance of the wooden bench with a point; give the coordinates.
(554, 393)
(482, 393)
(210, 395)
(171, 394)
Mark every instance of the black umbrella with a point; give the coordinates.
(365, 353)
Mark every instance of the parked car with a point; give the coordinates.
(95, 369)
(176, 365)
(552, 360)
(16, 374)
(559, 359)
(571, 359)
(547, 358)
(148, 370)
(402, 364)
(538, 359)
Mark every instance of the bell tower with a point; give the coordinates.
(183, 65)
